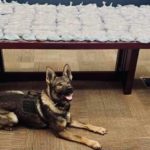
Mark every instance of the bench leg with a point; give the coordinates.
(126, 66)
(1, 64)
(120, 61)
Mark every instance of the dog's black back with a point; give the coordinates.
(25, 107)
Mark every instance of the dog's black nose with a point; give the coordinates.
(70, 89)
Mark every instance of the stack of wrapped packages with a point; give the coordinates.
(74, 23)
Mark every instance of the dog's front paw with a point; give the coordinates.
(100, 130)
(95, 145)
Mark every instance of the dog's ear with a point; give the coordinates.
(67, 71)
(50, 75)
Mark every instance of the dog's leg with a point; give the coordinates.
(79, 139)
(7, 119)
(96, 129)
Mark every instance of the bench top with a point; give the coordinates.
(71, 45)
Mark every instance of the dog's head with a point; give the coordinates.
(59, 87)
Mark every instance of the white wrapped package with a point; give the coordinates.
(11, 37)
(6, 9)
(53, 36)
(126, 36)
(68, 24)
(29, 37)
(139, 34)
(41, 37)
(1, 34)
(129, 12)
(4, 19)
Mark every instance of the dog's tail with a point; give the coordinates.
(11, 92)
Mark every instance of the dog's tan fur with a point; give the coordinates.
(47, 101)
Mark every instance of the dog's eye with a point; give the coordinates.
(59, 84)
(68, 82)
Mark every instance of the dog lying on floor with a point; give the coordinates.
(46, 109)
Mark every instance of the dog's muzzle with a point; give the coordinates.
(68, 94)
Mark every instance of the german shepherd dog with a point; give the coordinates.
(46, 109)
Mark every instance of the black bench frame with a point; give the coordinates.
(125, 64)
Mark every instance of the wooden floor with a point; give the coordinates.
(127, 118)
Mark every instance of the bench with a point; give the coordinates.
(125, 64)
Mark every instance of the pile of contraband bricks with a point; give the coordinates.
(78, 23)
